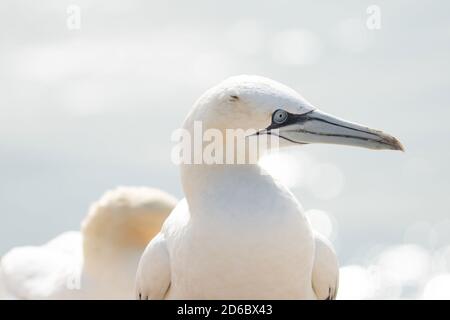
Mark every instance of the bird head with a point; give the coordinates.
(263, 107)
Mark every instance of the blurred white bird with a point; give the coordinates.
(97, 263)
(239, 234)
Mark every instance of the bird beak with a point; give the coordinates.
(318, 127)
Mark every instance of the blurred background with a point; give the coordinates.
(88, 102)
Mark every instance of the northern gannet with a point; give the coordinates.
(97, 263)
(239, 234)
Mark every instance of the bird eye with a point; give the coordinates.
(279, 116)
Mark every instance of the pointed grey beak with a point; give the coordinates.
(318, 127)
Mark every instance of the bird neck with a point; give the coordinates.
(212, 166)
(213, 183)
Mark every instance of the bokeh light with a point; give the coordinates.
(322, 223)
(400, 271)
(404, 265)
(283, 167)
(355, 283)
(325, 181)
(437, 288)
(352, 35)
(296, 47)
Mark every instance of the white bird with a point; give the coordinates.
(97, 263)
(239, 234)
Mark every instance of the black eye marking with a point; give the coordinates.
(234, 98)
(281, 118)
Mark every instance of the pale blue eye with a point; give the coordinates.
(280, 116)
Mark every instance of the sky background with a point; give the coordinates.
(85, 110)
